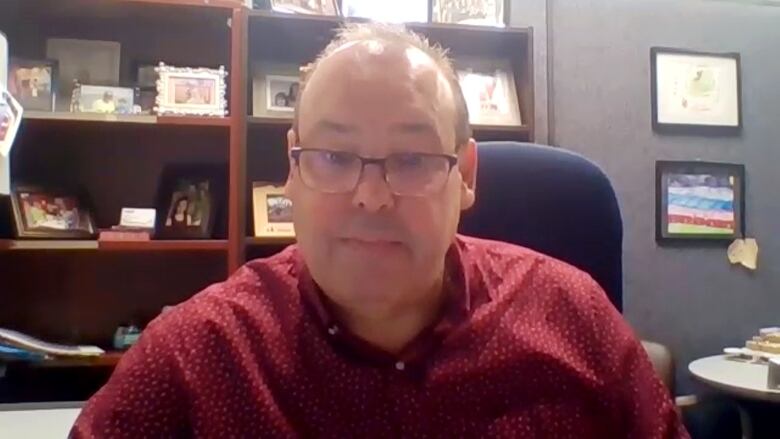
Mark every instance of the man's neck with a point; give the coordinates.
(392, 328)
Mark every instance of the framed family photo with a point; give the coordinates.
(103, 99)
(695, 92)
(701, 201)
(275, 88)
(311, 7)
(189, 200)
(473, 12)
(51, 213)
(490, 91)
(34, 83)
(191, 91)
(272, 211)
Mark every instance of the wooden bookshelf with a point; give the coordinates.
(109, 359)
(79, 291)
(80, 119)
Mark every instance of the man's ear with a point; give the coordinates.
(467, 164)
(292, 141)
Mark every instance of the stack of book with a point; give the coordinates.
(16, 346)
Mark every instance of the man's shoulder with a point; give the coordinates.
(251, 297)
(518, 269)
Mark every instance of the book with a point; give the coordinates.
(20, 340)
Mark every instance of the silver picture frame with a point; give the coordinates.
(187, 91)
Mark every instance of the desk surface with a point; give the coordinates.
(40, 421)
(739, 378)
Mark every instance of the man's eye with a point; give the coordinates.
(337, 158)
(409, 160)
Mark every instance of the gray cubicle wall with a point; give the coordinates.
(689, 298)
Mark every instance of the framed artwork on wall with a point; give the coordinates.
(699, 201)
(695, 92)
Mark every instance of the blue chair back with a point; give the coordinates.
(553, 201)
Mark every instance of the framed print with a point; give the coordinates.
(275, 89)
(272, 211)
(55, 214)
(83, 62)
(312, 7)
(146, 76)
(695, 92)
(398, 11)
(33, 83)
(699, 201)
(191, 91)
(189, 200)
(102, 99)
(490, 91)
(474, 12)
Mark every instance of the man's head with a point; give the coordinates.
(379, 92)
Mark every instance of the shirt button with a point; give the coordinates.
(400, 365)
(333, 330)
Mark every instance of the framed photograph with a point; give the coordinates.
(146, 76)
(55, 214)
(83, 62)
(272, 211)
(398, 11)
(33, 83)
(275, 89)
(699, 201)
(103, 99)
(695, 92)
(189, 200)
(490, 91)
(191, 91)
(311, 7)
(474, 12)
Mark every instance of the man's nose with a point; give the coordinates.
(372, 192)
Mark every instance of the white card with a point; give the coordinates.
(10, 119)
(138, 218)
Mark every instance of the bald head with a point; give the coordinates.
(386, 55)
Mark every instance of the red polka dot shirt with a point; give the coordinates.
(526, 346)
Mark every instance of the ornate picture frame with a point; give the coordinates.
(187, 91)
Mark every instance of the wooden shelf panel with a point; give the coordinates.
(204, 3)
(114, 246)
(65, 117)
(260, 121)
(255, 241)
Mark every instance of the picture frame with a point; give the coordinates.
(34, 83)
(695, 92)
(272, 211)
(490, 91)
(190, 200)
(308, 7)
(83, 62)
(103, 99)
(45, 213)
(473, 12)
(186, 91)
(146, 75)
(699, 201)
(398, 11)
(269, 81)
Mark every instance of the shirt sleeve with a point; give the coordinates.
(632, 387)
(145, 396)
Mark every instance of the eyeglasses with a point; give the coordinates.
(407, 174)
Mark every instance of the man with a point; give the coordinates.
(382, 322)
